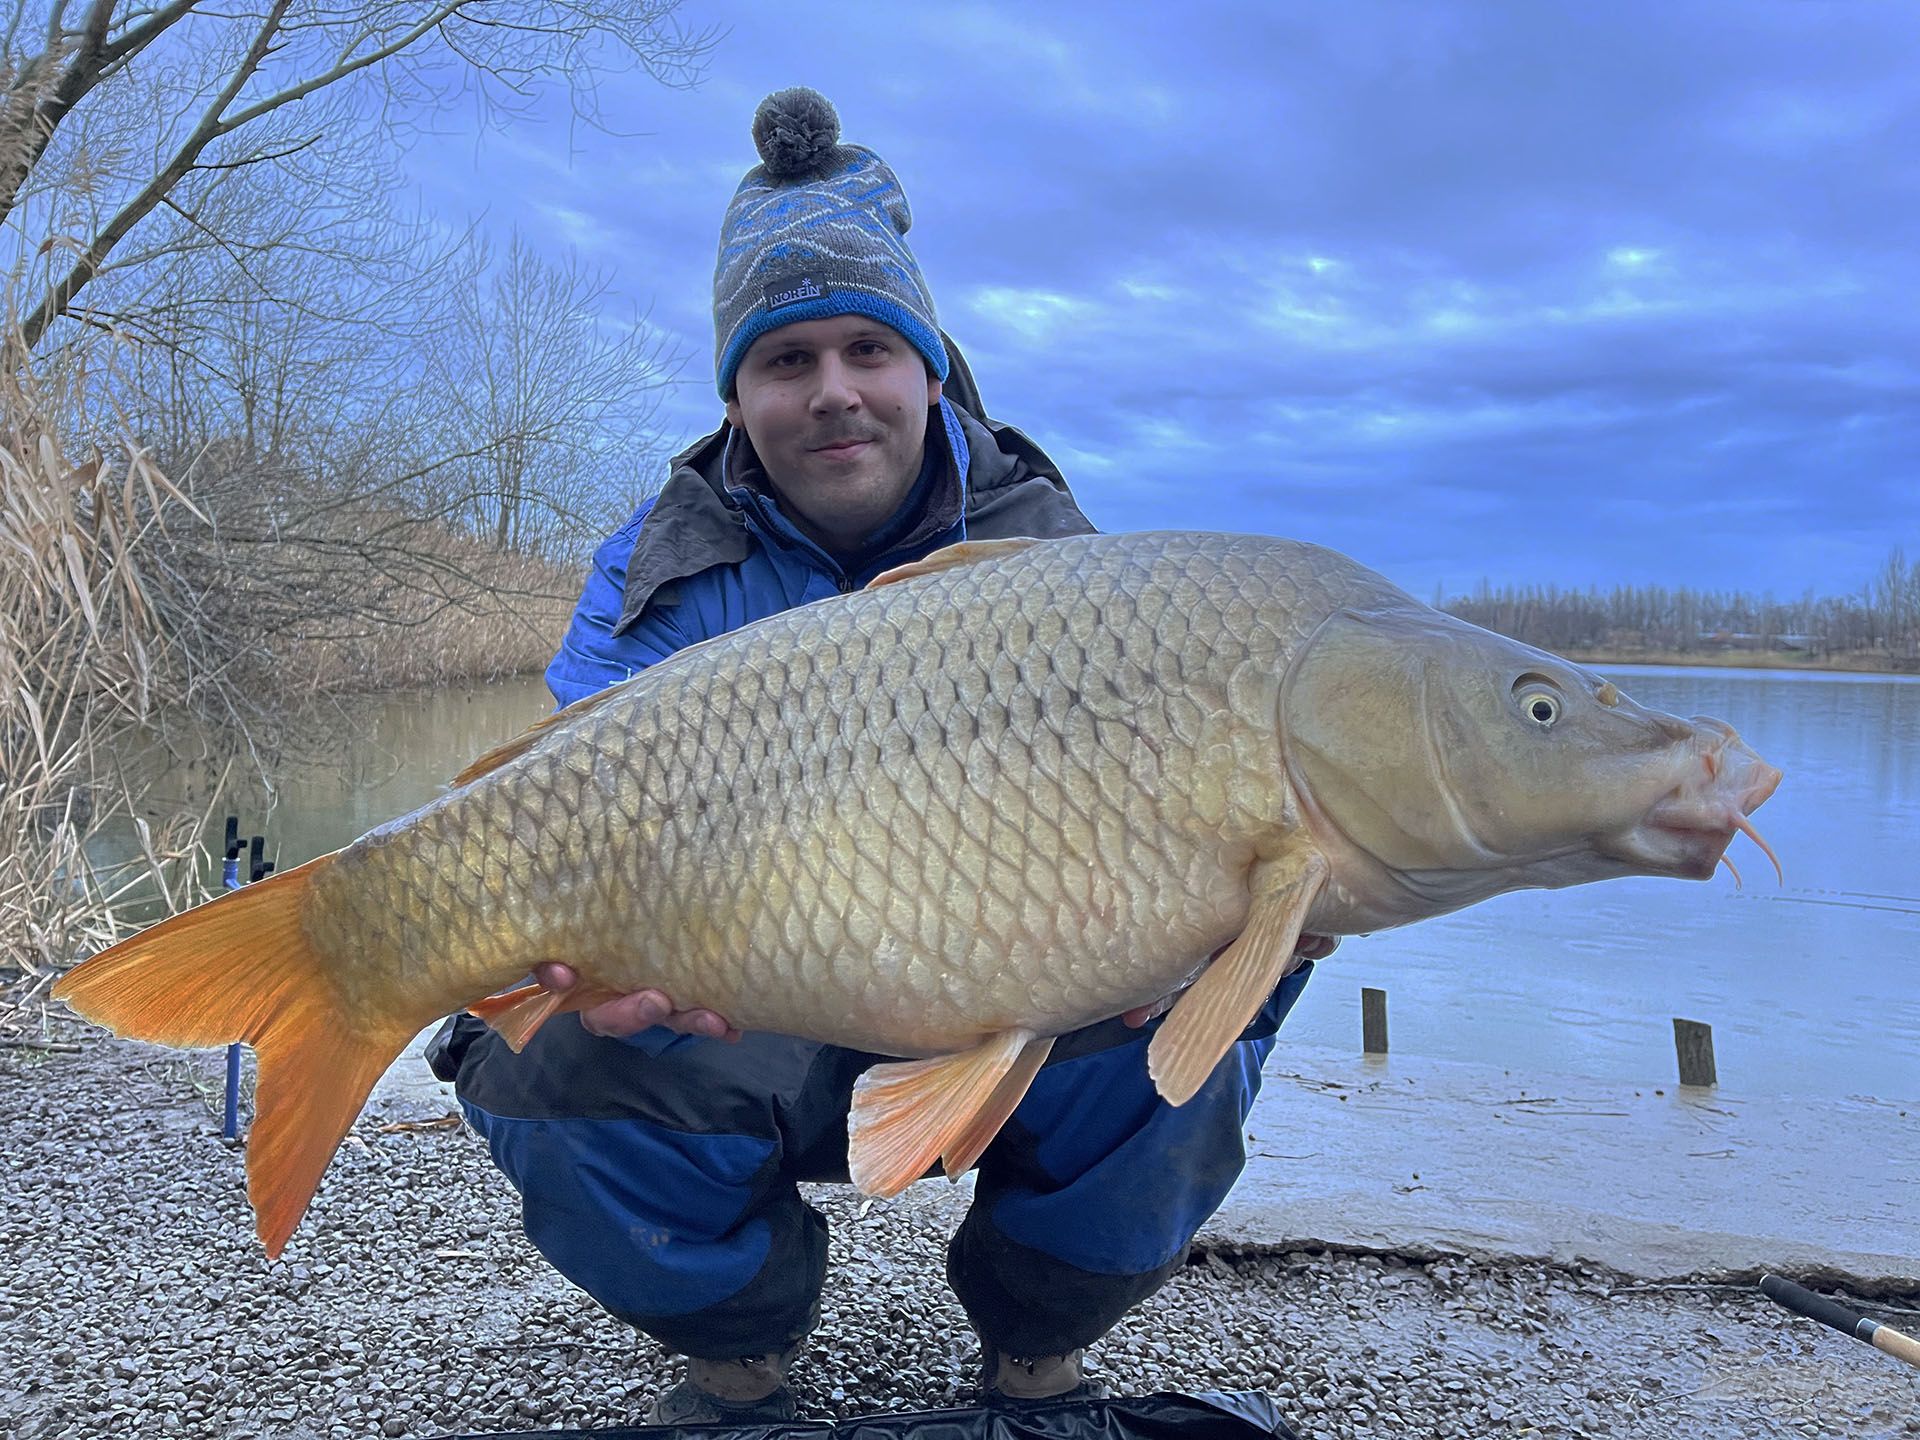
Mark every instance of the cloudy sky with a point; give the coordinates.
(1536, 292)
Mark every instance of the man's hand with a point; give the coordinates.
(1311, 947)
(629, 1014)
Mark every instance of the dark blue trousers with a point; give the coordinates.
(658, 1174)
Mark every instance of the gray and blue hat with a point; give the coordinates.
(817, 229)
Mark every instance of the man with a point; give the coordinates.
(656, 1151)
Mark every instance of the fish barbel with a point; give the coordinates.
(1008, 791)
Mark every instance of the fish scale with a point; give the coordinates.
(1010, 790)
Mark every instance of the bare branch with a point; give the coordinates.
(346, 67)
(28, 126)
(13, 27)
(261, 156)
(156, 189)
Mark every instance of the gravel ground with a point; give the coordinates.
(136, 1301)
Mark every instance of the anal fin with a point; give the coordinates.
(1216, 1008)
(518, 1014)
(908, 1113)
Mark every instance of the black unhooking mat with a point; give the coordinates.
(1209, 1415)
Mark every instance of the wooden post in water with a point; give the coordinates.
(1693, 1043)
(1373, 1020)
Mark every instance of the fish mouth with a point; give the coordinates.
(1687, 831)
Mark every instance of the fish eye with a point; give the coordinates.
(1539, 699)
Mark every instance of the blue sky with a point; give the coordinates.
(1535, 292)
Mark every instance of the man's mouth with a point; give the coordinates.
(842, 449)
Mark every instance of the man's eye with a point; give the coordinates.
(869, 348)
(786, 359)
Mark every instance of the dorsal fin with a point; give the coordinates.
(967, 552)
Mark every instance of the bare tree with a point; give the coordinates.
(302, 355)
(230, 92)
(556, 402)
(215, 187)
(1883, 615)
(1891, 591)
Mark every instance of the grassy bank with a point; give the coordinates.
(1856, 663)
(503, 615)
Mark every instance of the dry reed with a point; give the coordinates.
(82, 669)
(472, 613)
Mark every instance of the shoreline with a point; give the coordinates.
(1791, 662)
(410, 1303)
(1652, 1180)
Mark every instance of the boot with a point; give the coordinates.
(747, 1390)
(1018, 1380)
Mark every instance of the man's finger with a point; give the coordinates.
(1141, 1014)
(705, 1023)
(552, 975)
(627, 1015)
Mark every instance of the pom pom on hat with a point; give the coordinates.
(817, 229)
(794, 131)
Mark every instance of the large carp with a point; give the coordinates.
(1008, 791)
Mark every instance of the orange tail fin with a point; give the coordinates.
(241, 968)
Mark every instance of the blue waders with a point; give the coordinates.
(658, 1174)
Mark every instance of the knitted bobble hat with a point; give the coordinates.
(817, 229)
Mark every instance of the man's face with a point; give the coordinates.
(837, 411)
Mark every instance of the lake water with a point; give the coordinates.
(1811, 988)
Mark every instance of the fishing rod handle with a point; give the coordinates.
(1803, 1301)
(1898, 1345)
(1828, 1312)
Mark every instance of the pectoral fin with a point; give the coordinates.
(909, 1113)
(966, 1148)
(1209, 1017)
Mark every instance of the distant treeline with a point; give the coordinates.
(1882, 619)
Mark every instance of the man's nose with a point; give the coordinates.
(834, 389)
